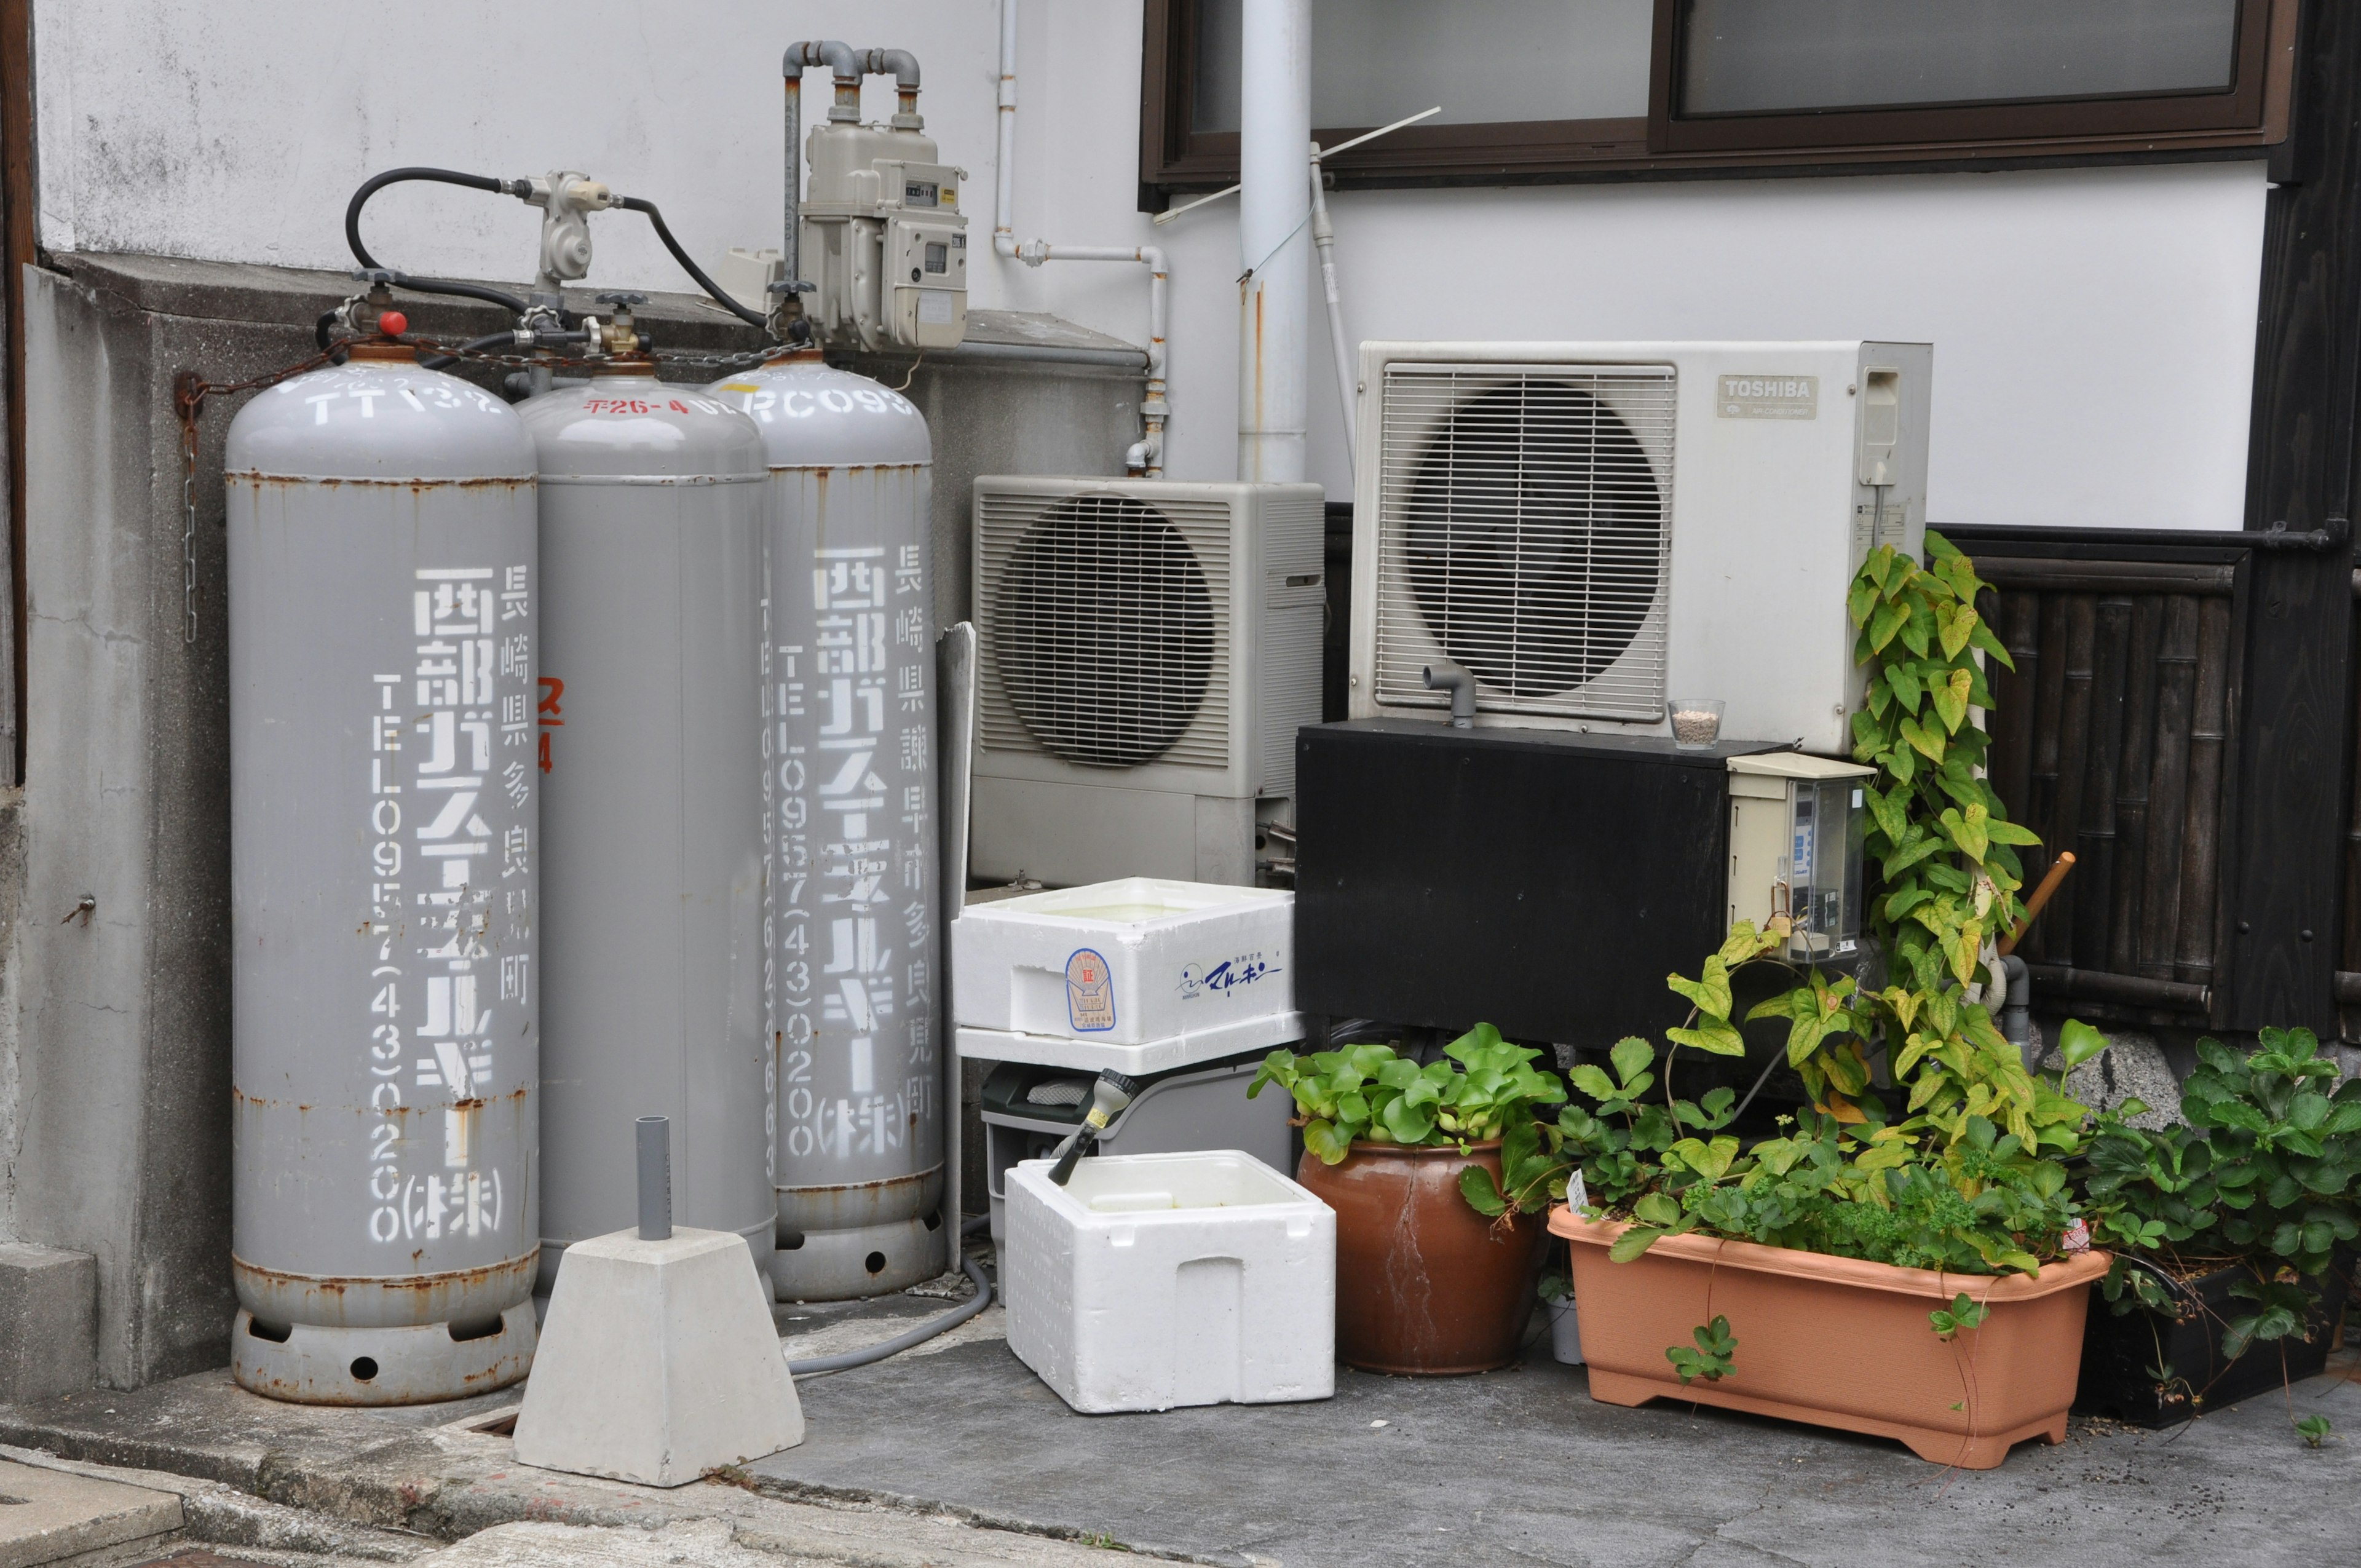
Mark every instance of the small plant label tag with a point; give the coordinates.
(1090, 993)
(1578, 1197)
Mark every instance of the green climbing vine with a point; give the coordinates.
(1946, 874)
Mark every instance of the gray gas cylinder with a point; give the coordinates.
(855, 916)
(651, 813)
(384, 626)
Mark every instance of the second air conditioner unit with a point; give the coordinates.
(1146, 653)
(1590, 528)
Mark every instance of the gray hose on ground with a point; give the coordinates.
(902, 1342)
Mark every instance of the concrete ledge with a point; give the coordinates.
(49, 1517)
(342, 1482)
(48, 1321)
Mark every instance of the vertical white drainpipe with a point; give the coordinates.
(1324, 235)
(1274, 250)
(1146, 456)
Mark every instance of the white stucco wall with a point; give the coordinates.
(2093, 328)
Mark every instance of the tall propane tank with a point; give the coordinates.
(384, 617)
(854, 917)
(651, 697)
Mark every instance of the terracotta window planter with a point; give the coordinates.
(1424, 1284)
(1839, 1342)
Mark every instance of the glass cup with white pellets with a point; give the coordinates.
(1697, 722)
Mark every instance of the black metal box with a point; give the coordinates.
(1541, 882)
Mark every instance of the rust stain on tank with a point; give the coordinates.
(397, 1299)
(527, 482)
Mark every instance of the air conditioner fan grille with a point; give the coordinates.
(1525, 525)
(1105, 631)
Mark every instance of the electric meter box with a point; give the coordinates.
(884, 240)
(1796, 828)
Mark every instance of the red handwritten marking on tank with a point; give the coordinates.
(552, 689)
(634, 406)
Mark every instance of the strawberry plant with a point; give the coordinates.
(1714, 1358)
(2265, 1173)
(1962, 1313)
(1485, 1088)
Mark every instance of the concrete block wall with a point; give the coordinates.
(114, 1014)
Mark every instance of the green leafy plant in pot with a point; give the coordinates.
(1916, 1213)
(1425, 1282)
(2233, 1233)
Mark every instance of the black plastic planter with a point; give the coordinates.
(2119, 1351)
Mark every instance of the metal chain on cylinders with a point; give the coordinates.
(191, 390)
(188, 395)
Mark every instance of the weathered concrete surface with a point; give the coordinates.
(1515, 1466)
(123, 1000)
(1523, 1467)
(48, 1339)
(760, 1539)
(292, 1478)
(47, 1516)
(707, 1544)
(220, 1514)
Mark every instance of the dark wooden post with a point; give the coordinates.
(2282, 868)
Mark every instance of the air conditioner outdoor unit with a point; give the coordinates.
(1146, 650)
(1591, 528)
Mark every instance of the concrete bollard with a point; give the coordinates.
(659, 1363)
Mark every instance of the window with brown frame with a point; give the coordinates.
(1537, 90)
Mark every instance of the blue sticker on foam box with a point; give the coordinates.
(1090, 993)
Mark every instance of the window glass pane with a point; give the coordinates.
(1766, 56)
(1484, 60)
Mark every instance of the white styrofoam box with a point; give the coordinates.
(1125, 963)
(1087, 1053)
(1161, 1280)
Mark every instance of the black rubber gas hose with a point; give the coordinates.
(376, 182)
(751, 318)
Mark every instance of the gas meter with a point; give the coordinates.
(883, 241)
(1796, 829)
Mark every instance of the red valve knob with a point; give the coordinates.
(394, 324)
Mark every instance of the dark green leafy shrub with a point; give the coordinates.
(2266, 1174)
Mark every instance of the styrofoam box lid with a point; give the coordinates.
(1128, 901)
(1148, 1187)
(1129, 962)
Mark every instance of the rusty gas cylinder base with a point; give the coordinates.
(862, 1239)
(305, 1363)
(1425, 1286)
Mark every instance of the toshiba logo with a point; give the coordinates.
(1768, 397)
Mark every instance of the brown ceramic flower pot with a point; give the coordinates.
(1424, 1284)
(1839, 1342)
